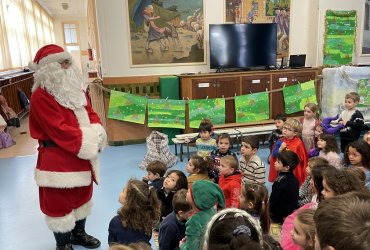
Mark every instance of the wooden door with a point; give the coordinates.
(228, 87)
(277, 99)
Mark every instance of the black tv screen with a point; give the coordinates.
(242, 45)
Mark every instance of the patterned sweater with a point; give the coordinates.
(253, 170)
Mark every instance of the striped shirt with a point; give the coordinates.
(253, 170)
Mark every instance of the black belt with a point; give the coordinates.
(48, 143)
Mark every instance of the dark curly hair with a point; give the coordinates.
(142, 207)
(363, 148)
(331, 143)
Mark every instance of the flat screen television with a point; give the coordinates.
(242, 46)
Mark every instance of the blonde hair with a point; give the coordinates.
(313, 107)
(232, 161)
(294, 124)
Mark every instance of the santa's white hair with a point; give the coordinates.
(65, 85)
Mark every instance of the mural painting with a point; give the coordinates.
(166, 32)
(263, 11)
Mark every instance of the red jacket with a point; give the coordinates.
(231, 186)
(297, 146)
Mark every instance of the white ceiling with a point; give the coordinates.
(76, 8)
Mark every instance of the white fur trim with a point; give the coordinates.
(67, 223)
(61, 224)
(62, 179)
(90, 140)
(82, 117)
(102, 135)
(33, 66)
(58, 57)
(83, 211)
(89, 147)
(96, 169)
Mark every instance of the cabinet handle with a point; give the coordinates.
(218, 84)
(214, 85)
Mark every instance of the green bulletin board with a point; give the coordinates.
(339, 37)
(166, 113)
(252, 107)
(296, 96)
(127, 107)
(214, 109)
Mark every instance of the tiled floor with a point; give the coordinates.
(22, 225)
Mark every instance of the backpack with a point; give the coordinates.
(6, 140)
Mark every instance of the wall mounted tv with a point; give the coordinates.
(242, 46)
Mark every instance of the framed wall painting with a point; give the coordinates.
(365, 48)
(262, 11)
(164, 32)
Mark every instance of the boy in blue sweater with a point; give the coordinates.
(172, 228)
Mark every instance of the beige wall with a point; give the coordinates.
(82, 22)
(306, 34)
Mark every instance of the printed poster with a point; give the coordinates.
(252, 107)
(339, 37)
(127, 107)
(296, 96)
(214, 109)
(164, 113)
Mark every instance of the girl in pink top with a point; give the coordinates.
(309, 122)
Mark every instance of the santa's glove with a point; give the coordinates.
(102, 136)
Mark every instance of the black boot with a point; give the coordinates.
(63, 241)
(80, 237)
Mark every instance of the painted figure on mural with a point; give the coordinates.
(155, 33)
(284, 40)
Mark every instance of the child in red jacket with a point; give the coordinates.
(230, 180)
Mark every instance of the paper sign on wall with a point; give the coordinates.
(214, 109)
(166, 113)
(296, 96)
(127, 107)
(252, 107)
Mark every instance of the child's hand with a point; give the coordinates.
(182, 241)
(343, 122)
(282, 146)
(145, 179)
(187, 140)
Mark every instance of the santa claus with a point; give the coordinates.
(70, 138)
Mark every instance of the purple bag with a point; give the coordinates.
(6, 140)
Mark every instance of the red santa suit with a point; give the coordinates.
(70, 136)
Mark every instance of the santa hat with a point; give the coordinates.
(47, 54)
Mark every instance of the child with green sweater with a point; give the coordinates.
(204, 196)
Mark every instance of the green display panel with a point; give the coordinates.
(252, 107)
(166, 113)
(296, 96)
(127, 107)
(214, 109)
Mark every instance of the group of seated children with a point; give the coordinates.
(224, 204)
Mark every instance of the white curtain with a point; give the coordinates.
(24, 27)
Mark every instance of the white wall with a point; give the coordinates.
(359, 6)
(306, 34)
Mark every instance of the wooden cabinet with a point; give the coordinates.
(286, 79)
(201, 86)
(218, 87)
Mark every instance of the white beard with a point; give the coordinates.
(65, 85)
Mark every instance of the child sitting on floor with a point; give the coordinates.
(197, 169)
(251, 165)
(230, 180)
(224, 144)
(203, 197)
(155, 172)
(172, 228)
